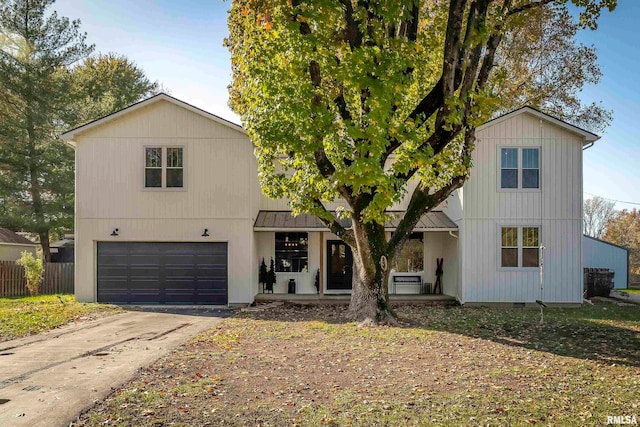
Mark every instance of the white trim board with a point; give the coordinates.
(73, 133)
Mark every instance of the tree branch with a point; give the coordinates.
(451, 58)
(352, 33)
(333, 224)
(471, 56)
(426, 108)
(421, 203)
(323, 163)
(527, 6)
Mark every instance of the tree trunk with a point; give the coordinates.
(36, 196)
(369, 291)
(46, 250)
(369, 295)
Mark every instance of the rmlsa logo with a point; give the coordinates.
(622, 419)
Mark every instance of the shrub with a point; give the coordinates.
(33, 271)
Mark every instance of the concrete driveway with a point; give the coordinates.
(48, 379)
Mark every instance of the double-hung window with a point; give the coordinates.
(520, 168)
(164, 167)
(520, 247)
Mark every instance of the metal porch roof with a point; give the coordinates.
(283, 220)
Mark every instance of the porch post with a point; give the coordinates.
(321, 277)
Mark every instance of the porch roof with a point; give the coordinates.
(284, 221)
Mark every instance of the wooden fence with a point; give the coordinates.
(58, 279)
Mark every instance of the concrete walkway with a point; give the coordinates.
(626, 296)
(48, 379)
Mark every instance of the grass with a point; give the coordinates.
(31, 315)
(310, 366)
(632, 291)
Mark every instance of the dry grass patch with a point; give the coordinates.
(458, 366)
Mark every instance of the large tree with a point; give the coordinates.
(597, 213)
(351, 100)
(542, 65)
(624, 230)
(48, 84)
(35, 166)
(105, 83)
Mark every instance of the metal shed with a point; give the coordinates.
(597, 253)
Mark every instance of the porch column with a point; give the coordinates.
(321, 276)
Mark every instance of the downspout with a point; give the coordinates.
(451, 234)
(589, 145)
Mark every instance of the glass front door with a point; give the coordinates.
(339, 265)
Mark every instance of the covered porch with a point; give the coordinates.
(333, 299)
(312, 264)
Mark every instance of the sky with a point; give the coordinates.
(180, 44)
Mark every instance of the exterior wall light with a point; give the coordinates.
(205, 233)
(114, 233)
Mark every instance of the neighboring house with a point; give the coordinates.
(169, 210)
(12, 245)
(600, 254)
(62, 250)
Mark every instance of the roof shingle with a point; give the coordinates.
(8, 236)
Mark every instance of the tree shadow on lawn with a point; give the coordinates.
(602, 333)
(605, 333)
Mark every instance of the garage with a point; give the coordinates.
(162, 273)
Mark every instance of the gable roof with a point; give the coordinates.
(588, 136)
(8, 236)
(606, 243)
(70, 135)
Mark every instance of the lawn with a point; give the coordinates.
(309, 366)
(32, 315)
(633, 291)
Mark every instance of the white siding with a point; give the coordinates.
(437, 244)
(220, 169)
(222, 194)
(283, 204)
(599, 254)
(305, 281)
(220, 191)
(556, 208)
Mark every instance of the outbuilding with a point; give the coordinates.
(597, 253)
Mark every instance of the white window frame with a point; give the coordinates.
(164, 161)
(520, 246)
(516, 247)
(520, 169)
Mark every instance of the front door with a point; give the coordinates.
(339, 266)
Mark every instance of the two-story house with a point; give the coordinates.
(169, 210)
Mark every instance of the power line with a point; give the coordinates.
(613, 200)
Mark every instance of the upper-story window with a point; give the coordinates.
(164, 167)
(520, 168)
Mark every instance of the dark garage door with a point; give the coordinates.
(162, 273)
